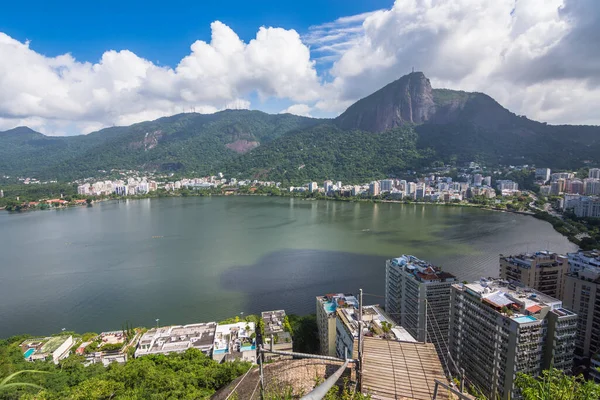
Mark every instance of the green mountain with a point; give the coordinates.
(405, 125)
(184, 142)
(459, 126)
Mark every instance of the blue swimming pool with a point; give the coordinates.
(524, 319)
(220, 351)
(329, 306)
(28, 353)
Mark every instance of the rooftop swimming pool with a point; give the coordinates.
(329, 306)
(524, 319)
(220, 351)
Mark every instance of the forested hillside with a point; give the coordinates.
(405, 125)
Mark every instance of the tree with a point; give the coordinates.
(556, 385)
(6, 383)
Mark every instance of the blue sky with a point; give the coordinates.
(160, 31)
(73, 67)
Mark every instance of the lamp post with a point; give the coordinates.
(157, 319)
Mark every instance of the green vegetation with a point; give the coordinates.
(584, 232)
(190, 375)
(305, 333)
(555, 385)
(184, 142)
(327, 152)
(464, 127)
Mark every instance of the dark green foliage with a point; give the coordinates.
(190, 375)
(556, 385)
(184, 142)
(305, 333)
(327, 152)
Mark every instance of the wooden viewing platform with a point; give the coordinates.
(395, 370)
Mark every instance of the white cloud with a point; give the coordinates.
(122, 88)
(539, 58)
(519, 52)
(298, 109)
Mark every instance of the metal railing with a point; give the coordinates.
(461, 396)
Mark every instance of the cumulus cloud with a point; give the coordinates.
(51, 93)
(538, 58)
(298, 109)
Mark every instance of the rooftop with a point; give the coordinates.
(331, 302)
(273, 321)
(177, 338)
(423, 271)
(401, 370)
(540, 258)
(373, 319)
(514, 300)
(236, 337)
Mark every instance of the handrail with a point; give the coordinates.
(320, 391)
(460, 395)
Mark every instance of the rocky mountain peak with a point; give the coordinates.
(408, 100)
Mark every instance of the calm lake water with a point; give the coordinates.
(186, 260)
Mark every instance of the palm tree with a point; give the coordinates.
(5, 384)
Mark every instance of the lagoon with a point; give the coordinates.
(195, 259)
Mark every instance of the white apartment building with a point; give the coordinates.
(499, 329)
(326, 319)
(507, 185)
(386, 185)
(542, 174)
(312, 187)
(177, 339)
(591, 186)
(562, 175)
(587, 206)
(417, 296)
(374, 188)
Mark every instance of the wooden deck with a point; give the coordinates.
(401, 370)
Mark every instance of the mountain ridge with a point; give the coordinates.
(423, 124)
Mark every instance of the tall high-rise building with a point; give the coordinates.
(557, 187)
(374, 188)
(312, 186)
(542, 174)
(417, 297)
(328, 186)
(477, 179)
(326, 319)
(582, 295)
(591, 186)
(543, 271)
(594, 173)
(498, 330)
(487, 181)
(387, 185)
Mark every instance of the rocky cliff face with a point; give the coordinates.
(408, 100)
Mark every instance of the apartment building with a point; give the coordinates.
(326, 319)
(177, 339)
(543, 271)
(499, 329)
(417, 297)
(276, 337)
(375, 323)
(582, 295)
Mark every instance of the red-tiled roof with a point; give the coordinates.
(534, 309)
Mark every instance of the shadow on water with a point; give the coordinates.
(290, 279)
